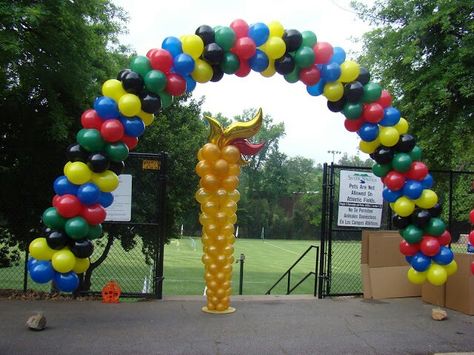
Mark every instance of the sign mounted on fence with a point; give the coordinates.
(121, 209)
(360, 200)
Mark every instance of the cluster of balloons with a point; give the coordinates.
(471, 236)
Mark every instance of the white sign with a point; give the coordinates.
(121, 208)
(360, 200)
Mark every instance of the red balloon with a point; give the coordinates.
(418, 171)
(429, 245)
(55, 200)
(408, 249)
(240, 27)
(310, 76)
(130, 142)
(68, 206)
(445, 238)
(243, 70)
(150, 53)
(323, 52)
(90, 119)
(373, 112)
(471, 216)
(161, 59)
(112, 130)
(394, 180)
(353, 125)
(471, 237)
(244, 47)
(175, 84)
(94, 214)
(385, 99)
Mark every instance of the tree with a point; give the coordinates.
(354, 160)
(53, 57)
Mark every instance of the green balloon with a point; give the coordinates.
(381, 170)
(90, 139)
(416, 153)
(372, 92)
(293, 77)
(95, 231)
(77, 228)
(304, 57)
(155, 81)
(309, 38)
(116, 151)
(141, 65)
(166, 99)
(412, 234)
(435, 227)
(401, 162)
(230, 63)
(225, 37)
(352, 111)
(53, 220)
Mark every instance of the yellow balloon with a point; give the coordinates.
(369, 147)
(388, 136)
(451, 268)
(276, 29)
(146, 117)
(66, 166)
(113, 88)
(77, 172)
(129, 105)
(39, 249)
(436, 274)
(427, 200)
(402, 126)
(193, 45)
(403, 206)
(270, 71)
(416, 277)
(202, 72)
(63, 260)
(275, 47)
(333, 91)
(107, 181)
(350, 70)
(81, 265)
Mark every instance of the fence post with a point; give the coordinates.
(323, 231)
(241, 275)
(450, 215)
(25, 272)
(159, 257)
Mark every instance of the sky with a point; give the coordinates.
(311, 129)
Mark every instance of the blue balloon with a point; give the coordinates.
(190, 83)
(316, 89)
(331, 72)
(368, 132)
(420, 262)
(391, 117)
(106, 199)
(31, 262)
(63, 186)
(106, 107)
(172, 45)
(391, 196)
(133, 127)
(428, 181)
(339, 55)
(444, 256)
(67, 282)
(259, 32)
(183, 64)
(259, 62)
(408, 258)
(88, 193)
(42, 272)
(412, 189)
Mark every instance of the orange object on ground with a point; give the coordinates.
(111, 292)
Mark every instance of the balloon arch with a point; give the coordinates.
(111, 129)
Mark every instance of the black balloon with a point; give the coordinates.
(400, 222)
(217, 73)
(98, 162)
(406, 143)
(382, 155)
(132, 82)
(117, 167)
(285, 65)
(336, 106)
(76, 153)
(206, 33)
(57, 240)
(364, 76)
(353, 91)
(150, 103)
(420, 218)
(292, 39)
(213, 53)
(122, 74)
(82, 248)
(436, 210)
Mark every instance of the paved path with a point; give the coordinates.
(260, 326)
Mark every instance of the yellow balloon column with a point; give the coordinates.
(219, 169)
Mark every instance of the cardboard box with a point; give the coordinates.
(460, 286)
(392, 282)
(366, 287)
(381, 249)
(433, 294)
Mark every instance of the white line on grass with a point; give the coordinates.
(276, 246)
